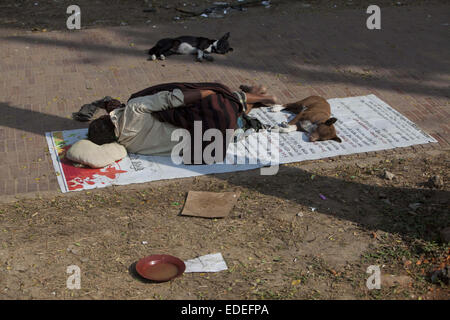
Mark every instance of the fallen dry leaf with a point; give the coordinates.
(296, 282)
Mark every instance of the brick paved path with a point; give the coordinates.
(47, 76)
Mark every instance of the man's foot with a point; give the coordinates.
(269, 99)
(263, 99)
(258, 89)
(289, 128)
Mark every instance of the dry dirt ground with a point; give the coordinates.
(276, 246)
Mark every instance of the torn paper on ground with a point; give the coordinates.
(209, 263)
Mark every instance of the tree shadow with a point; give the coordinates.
(316, 49)
(34, 121)
(385, 208)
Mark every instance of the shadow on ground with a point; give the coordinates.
(34, 121)
(317, 49)
(384, 208)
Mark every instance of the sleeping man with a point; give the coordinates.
(146, 123)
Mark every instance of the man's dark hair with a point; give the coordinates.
(101, 130)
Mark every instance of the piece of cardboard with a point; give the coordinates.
(209, 204)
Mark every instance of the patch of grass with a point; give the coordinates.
(386, 254)
(269, 295)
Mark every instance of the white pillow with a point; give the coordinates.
(95, 156)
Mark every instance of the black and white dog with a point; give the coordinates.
(200, 46)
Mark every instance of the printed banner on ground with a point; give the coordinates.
(364, 124)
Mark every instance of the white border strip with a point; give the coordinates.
(56, 162)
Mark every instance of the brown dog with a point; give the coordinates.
(313, 117)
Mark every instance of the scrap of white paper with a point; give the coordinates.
(209, 263)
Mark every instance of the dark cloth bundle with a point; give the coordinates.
(219, 111)
(252, 123)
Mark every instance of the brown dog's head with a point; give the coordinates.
(325, 131)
